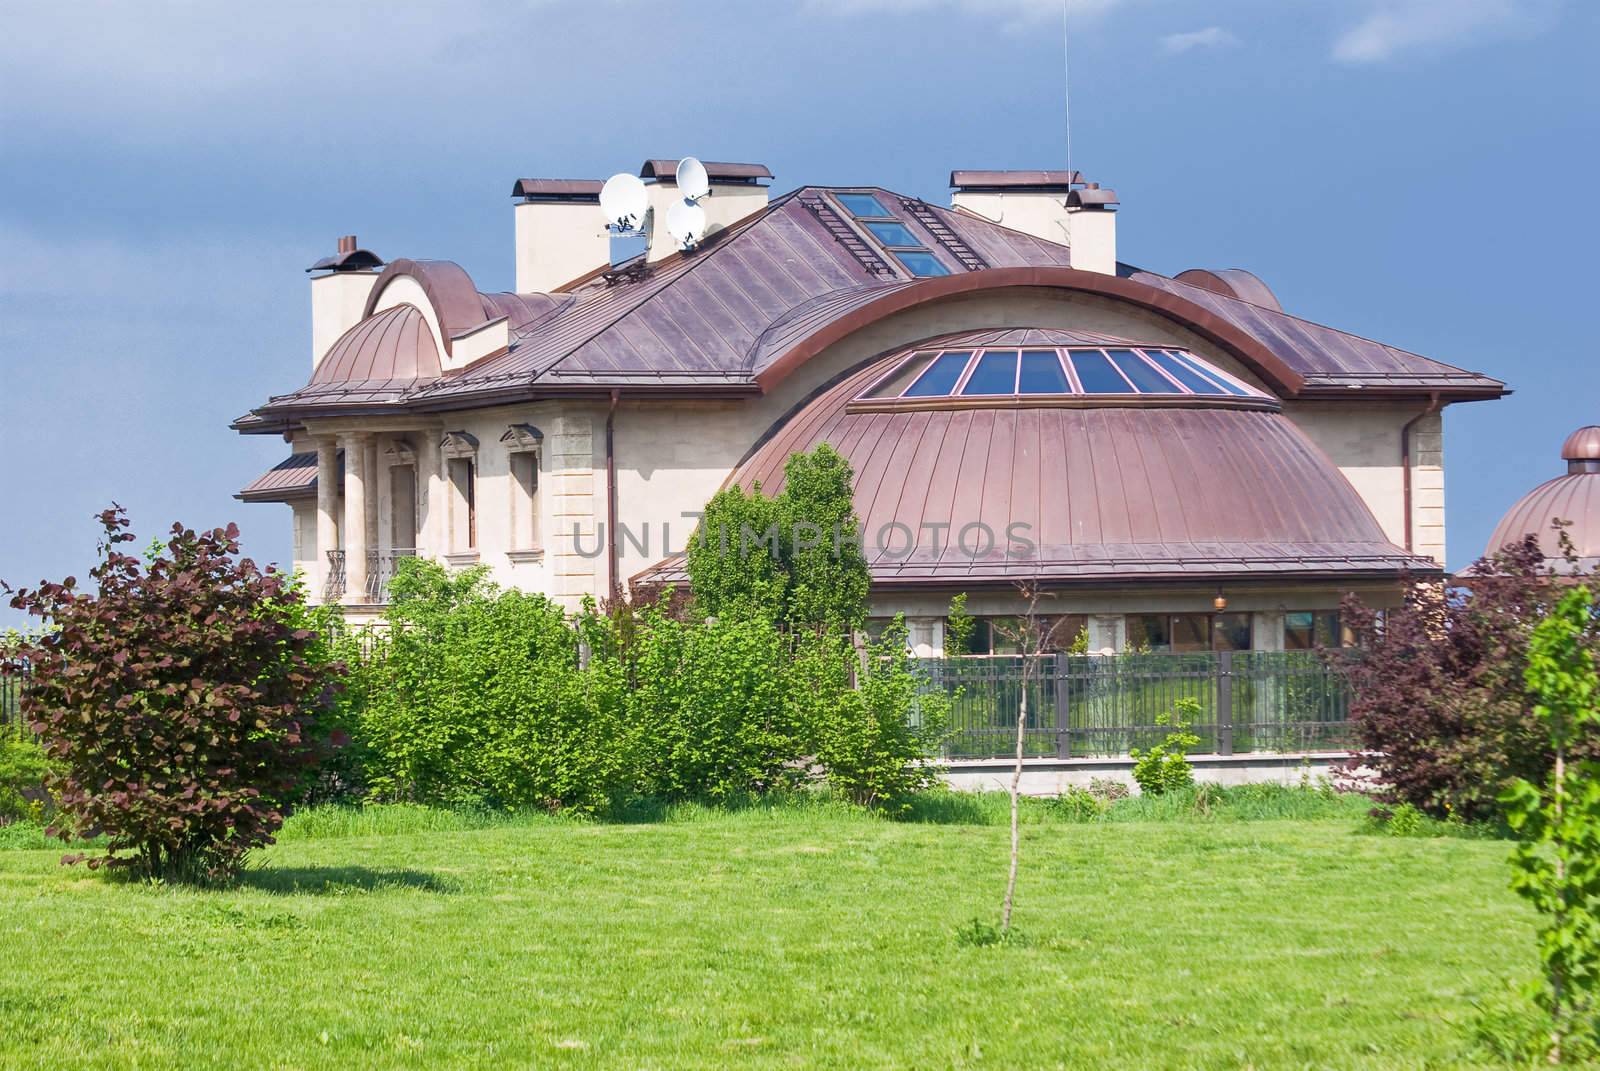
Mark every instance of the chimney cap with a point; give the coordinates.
(724, 173)
(554, 189)
(1092, 197)
(1582, 445)
(1015, 180)
(350, 257)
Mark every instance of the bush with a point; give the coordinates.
(874, 741)
(1439, 703)
(179, 701)
(477, 697)
(1166, 767)
(709, 711)
(23, 766)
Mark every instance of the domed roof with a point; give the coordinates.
(389, 345)
(1097, 486)
(1574, 498)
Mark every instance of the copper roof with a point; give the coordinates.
(1234, 283)
(1573, 498)
(1014, 180)
(667, 170)
(293, 477)
(1113, 493)
(558, 189)
(394, 344)
(771, 291)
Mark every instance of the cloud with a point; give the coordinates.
(1010, 12)
(1210, 37)
(1397, 26)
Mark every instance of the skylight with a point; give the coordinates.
(897, 239)
(1007, 371)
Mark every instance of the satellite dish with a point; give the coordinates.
(624, 201)
(686, 222)
(693, 182)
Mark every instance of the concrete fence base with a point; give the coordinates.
(1051, 777)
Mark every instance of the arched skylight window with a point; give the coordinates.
(1013, 371)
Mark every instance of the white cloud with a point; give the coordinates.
(1396, 26)
(1210, 37)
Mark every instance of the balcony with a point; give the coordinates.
(380, 571)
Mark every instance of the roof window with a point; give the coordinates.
(864, 205)
(1007, 371)
(892, 234)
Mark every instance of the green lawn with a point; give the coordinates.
(769, 938)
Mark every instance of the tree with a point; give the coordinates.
(795, 559)
(179, 699)
(1439, 697)
(1556, 865)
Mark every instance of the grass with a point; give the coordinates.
(1266, 931)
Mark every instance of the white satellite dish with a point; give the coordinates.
(693, 182)
(686, 222)
(624, 201)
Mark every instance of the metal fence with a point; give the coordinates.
(1094, 706)
(12, 672)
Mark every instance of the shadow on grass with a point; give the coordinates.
(340, 880)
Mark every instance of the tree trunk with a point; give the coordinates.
(1016, 784)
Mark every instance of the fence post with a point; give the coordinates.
(1224, 702)
(1063, 718)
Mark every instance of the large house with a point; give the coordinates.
(1177, 460)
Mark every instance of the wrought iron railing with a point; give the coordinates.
(1093, 706)
(333, 587)
(13, 673)
(380, 570)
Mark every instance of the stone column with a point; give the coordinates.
(430, 495)
(375, 493)
(355, 518)
(327, 514)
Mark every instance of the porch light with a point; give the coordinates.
(1220, 602)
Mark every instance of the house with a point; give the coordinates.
(1180, 462)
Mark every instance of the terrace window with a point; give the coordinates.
(1307, 630)
(1189, 633)
(999, 636)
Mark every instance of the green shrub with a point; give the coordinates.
(708, 712)
(477, 697)
(23, 767)
(1166, 767)
(875, 742)
(179, 697)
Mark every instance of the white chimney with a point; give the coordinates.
(1054, 205)
(561, 235)
(736, 192)
(339, 288)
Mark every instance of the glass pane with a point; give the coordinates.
(891, 387)
(863, 204)
(1042, 374)
(1004, 635)
(1230, 632)
(1183, 373)
(921, 264)
(893, 234)
(1063, 631)
(940, 378)
(1209, 373)
(1147, 379)
(1097, 375)
(1327, 632)
(1298, 631)
(1191, 632)
(996, 374)
(1148, 632)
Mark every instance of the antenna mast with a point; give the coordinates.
(1066, 87)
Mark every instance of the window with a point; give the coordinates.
(463, 504)
(1005, 371)
(1042, 374)
(940, 378)
(996, 373)
(920, 262)
(863, 205)
(1096, 374)
(1001, 636)
(525, 500)
(1307, 630)
(893, 234)
(1189, 633)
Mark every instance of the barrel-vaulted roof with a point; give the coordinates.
(1572, 499)
(759, 297)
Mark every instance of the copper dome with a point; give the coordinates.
(1574, 498)
(395, 344)
(1118, 488)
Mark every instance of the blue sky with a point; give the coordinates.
(1418, 171)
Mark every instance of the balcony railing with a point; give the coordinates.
(380, 571)
(333, 589)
